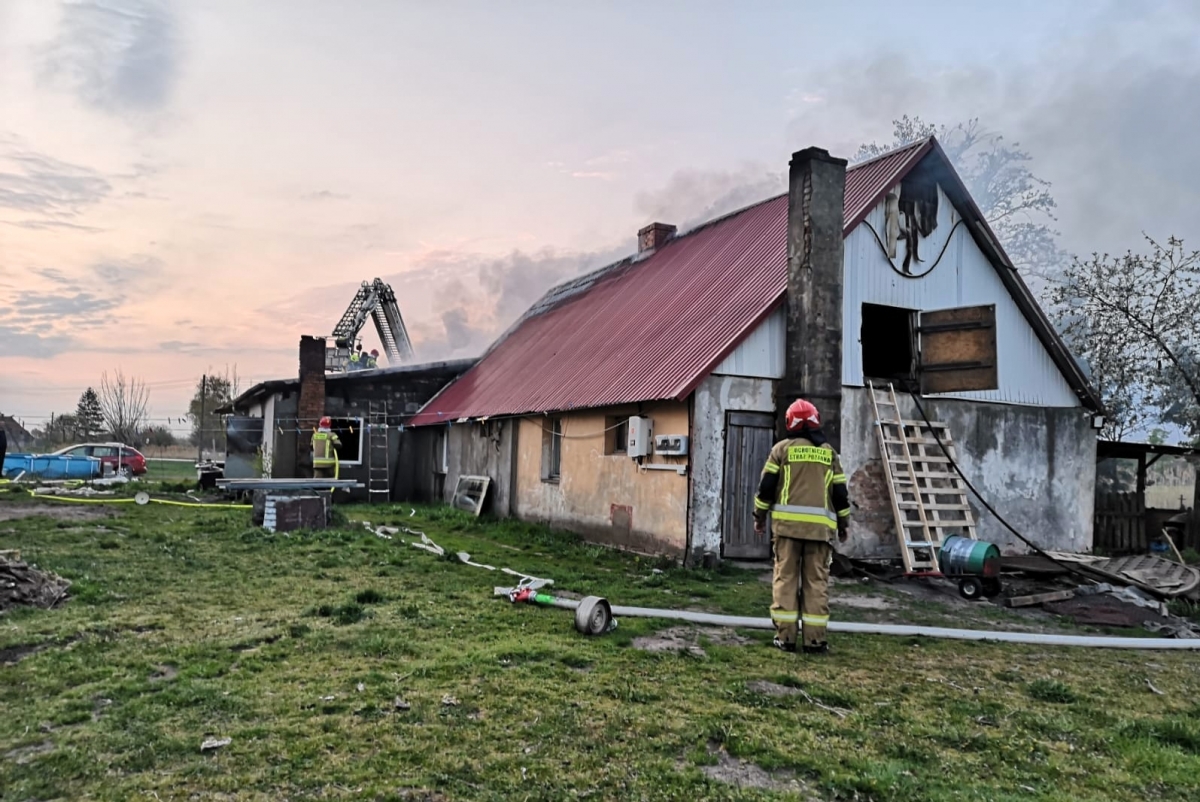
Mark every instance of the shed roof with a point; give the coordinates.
(398, 372)
(653, 325)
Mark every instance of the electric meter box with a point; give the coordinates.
(671, 445)
(640, 437)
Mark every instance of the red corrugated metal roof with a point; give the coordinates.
(867, 182)
(650, 329)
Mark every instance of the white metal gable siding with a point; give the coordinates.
(963, 277)
(760, 355)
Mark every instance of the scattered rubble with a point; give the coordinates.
(24, 585)
(1159, 577)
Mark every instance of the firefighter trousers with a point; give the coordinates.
(801, 589)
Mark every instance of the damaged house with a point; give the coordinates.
(637, 404)
(269, 427)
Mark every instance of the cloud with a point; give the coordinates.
(1108, 117)
(179, 345)
(135, 269)
(24, 341)
(76, 308)
(118, 55)
(44, 320)
(691, 197)
(52, 225)
(35, 183)
(325, 194)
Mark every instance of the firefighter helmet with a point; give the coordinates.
(374, 352)
(802, 412)
(326, 423)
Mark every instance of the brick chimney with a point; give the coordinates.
(813, 363)
(311, 403)
(654, 235)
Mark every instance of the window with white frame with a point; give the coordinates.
(349, 432)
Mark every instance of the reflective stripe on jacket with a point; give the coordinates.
(322, 448)
(803, 505)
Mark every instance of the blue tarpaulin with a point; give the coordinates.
(47, 466)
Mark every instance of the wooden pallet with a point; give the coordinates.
(929, 498)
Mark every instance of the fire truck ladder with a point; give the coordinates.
(378, 302)
(929, 498)
(379, 471)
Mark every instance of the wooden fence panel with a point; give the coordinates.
(1120, 525)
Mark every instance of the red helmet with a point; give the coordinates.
(325, 423)
(800, 413)
(374, 352)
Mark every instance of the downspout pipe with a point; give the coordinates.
(901, 630)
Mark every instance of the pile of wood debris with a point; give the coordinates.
(24, 585)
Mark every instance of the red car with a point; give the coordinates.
(121, 457)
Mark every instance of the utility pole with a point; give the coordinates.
(200, 420)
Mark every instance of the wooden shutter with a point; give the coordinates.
(958, 350)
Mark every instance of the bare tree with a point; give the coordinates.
(214, 390)
(123, 402)
(1133, 319)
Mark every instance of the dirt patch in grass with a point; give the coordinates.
(675, 639)
(863, 602)
(163, 673)
(11, 655)
(744, 774)
(687, 639)
(26, 754)
(770, 688)
(60, 512)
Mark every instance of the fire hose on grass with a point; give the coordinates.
(595, 616)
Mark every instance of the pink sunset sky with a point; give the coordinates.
(188, 187)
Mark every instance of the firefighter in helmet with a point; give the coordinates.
(373, 359)
(804, 491)
(324, 455)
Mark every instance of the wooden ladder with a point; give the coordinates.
(929, 498)
(379, 472)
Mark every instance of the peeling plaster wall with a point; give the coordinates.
(716, 396)
(606, 498)
(1035, 465)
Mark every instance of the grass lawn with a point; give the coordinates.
(345, 666)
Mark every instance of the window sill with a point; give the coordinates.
(551, 480)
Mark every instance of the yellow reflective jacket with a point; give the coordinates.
(323, 455)
(804, 489)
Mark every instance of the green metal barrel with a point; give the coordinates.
(963, 556)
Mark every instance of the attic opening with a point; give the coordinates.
(888, 338)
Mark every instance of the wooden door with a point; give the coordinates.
(748, 440)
